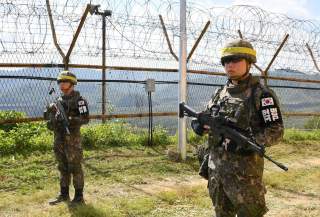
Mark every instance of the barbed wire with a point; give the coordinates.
(135, 34)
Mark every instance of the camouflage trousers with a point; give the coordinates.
(69, 155)
(237, 195)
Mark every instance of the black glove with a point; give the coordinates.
(197, 127)
(229, 145)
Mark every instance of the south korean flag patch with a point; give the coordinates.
(267, 101)
(269, 110)
(82, 106)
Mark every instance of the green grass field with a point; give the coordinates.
(134, 180)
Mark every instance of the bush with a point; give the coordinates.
(160, 137)
(25, 138)
(30, 137)
(114, 134)
(293, 135)
(109, 134)
(10, 115)
(6, 143)
(313, 123)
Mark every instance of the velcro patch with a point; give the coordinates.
(81, 102)
(83, 109)
(270, 115)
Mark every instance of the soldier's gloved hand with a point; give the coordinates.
(52, 108)
(197, 127)
(229, 146)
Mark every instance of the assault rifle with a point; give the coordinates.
(225, 127)
(61, 115)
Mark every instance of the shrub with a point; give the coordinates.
(313, 123)
(25, 138)
(10, 115)
(121, 134)
(160, 137)
(293, 135)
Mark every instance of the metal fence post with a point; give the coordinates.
(104, 14)
(103, 87)
(183, 80)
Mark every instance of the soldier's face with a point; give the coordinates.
(66, 87)
(236, 69)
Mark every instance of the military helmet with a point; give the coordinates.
(67, 76)
(239, 48)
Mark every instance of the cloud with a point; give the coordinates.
(292, 8)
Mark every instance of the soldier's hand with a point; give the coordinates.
(229, 146)
(197, 127)
(52, 108)
(206, 127)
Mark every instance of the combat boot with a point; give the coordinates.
(62, 197)
(78, 197)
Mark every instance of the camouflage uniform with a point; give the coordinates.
(67, 149)
(235, 174)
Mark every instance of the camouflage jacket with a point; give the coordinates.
(255, 110)
(76, 109)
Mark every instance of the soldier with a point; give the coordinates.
(67, 145)
(235, 173)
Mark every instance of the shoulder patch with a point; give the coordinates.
(267, 101)
(269, 109)
(83, 106)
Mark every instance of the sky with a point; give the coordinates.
(301, 9)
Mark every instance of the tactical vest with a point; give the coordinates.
(70, 104)
(235, 103)
(71, 107)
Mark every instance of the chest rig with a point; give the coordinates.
(237, 104)
(70, 104)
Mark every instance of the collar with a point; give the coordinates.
(242, 85)
(72, 94)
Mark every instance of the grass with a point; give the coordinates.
(127, 181)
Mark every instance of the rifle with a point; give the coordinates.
(61, 114)
(225, 127)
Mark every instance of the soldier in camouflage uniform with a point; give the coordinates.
(67, 148)
(235, 173)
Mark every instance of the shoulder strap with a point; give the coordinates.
(252, 101)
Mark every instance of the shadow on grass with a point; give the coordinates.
(86, 210)
(304, 194)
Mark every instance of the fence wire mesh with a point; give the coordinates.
(136, 39)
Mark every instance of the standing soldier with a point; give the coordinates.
(65, 117)
(235, 173)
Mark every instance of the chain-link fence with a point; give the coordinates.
(27, 90)
(140, 45)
